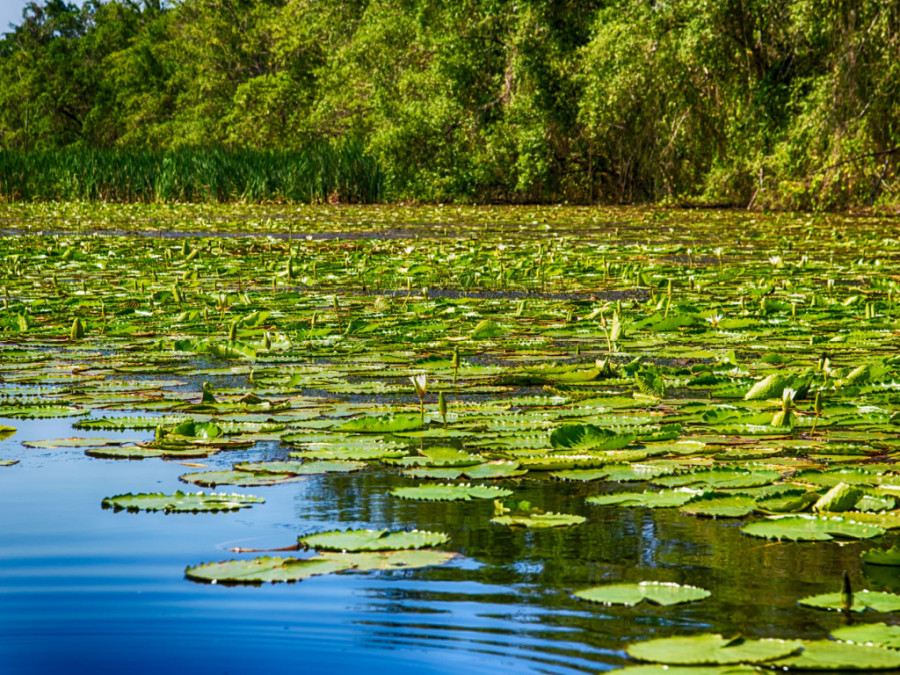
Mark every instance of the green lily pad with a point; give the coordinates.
(132, 452)
(266, 569)
(204, 430)
(349, 454)
(720, 505)
(879, 634)
(181, 502)
(239, 478)
(8, 462)
(41, 412)
(390, 560)
(719, 479)
(387, 424)
(803, 527)
(444, 456)
(436, 473)
(616, 472)
(372, 540)
(712, 649)
(768, 387)
(495, 469)
(889, 556)
(862, 600)
(540, 521)
(655, 669)
(300, 468)
(657, 592)
(841, 497)
(450, 492)
(588, 437)
(77, 443)
(651, 500)
(843, 656)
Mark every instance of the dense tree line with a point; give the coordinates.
(774, 103)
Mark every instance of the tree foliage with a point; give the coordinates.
(742, 102)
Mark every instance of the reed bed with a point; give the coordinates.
(319, 173)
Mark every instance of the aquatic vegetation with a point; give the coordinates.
(569, 379)
(657, 592)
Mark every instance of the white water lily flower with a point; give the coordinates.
(714, 320)
(420, 382)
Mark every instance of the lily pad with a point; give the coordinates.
(391, 560)
(266, 569)
(450, 492)
(712, 649)
(720, 505)
(842, 656)
(657, 592)
(803, 527)
(372, 540)
(540, 521)
(653, 669)
(889, 556)
(651, 500)
(181, 502)
(880, 634)
(387, 424)
(300, 468)
(77, 443)
(588, 437)
(239, 478)
(862, 600)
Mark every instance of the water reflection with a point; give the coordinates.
(72, 569)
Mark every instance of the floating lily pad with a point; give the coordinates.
(720, 506)
(712, 649)
(41, 412)
(450, 492)
(657, 592)
(540, 521)
(437, 473)
(588, 437)
(240, 478)
(300, 468)
(8, 462)
(651, 669)
(583, 459)
(391, 560)
(181, 502)
(889, 556)
(387, 424)
(77, 443)
(266, 569)
(350, 454)
(880, 634)
(803, 527)
(862, 600)
(843, 656)
(495, 469)
(131, 452)
(651, 500)
(444, 456)
(719, 479)
(372, 540)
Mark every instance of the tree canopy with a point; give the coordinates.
(745, 102)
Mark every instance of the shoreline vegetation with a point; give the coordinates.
(759, 104)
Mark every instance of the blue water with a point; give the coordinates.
(83, 589)
(88, 590)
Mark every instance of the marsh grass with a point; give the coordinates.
(319, 173)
